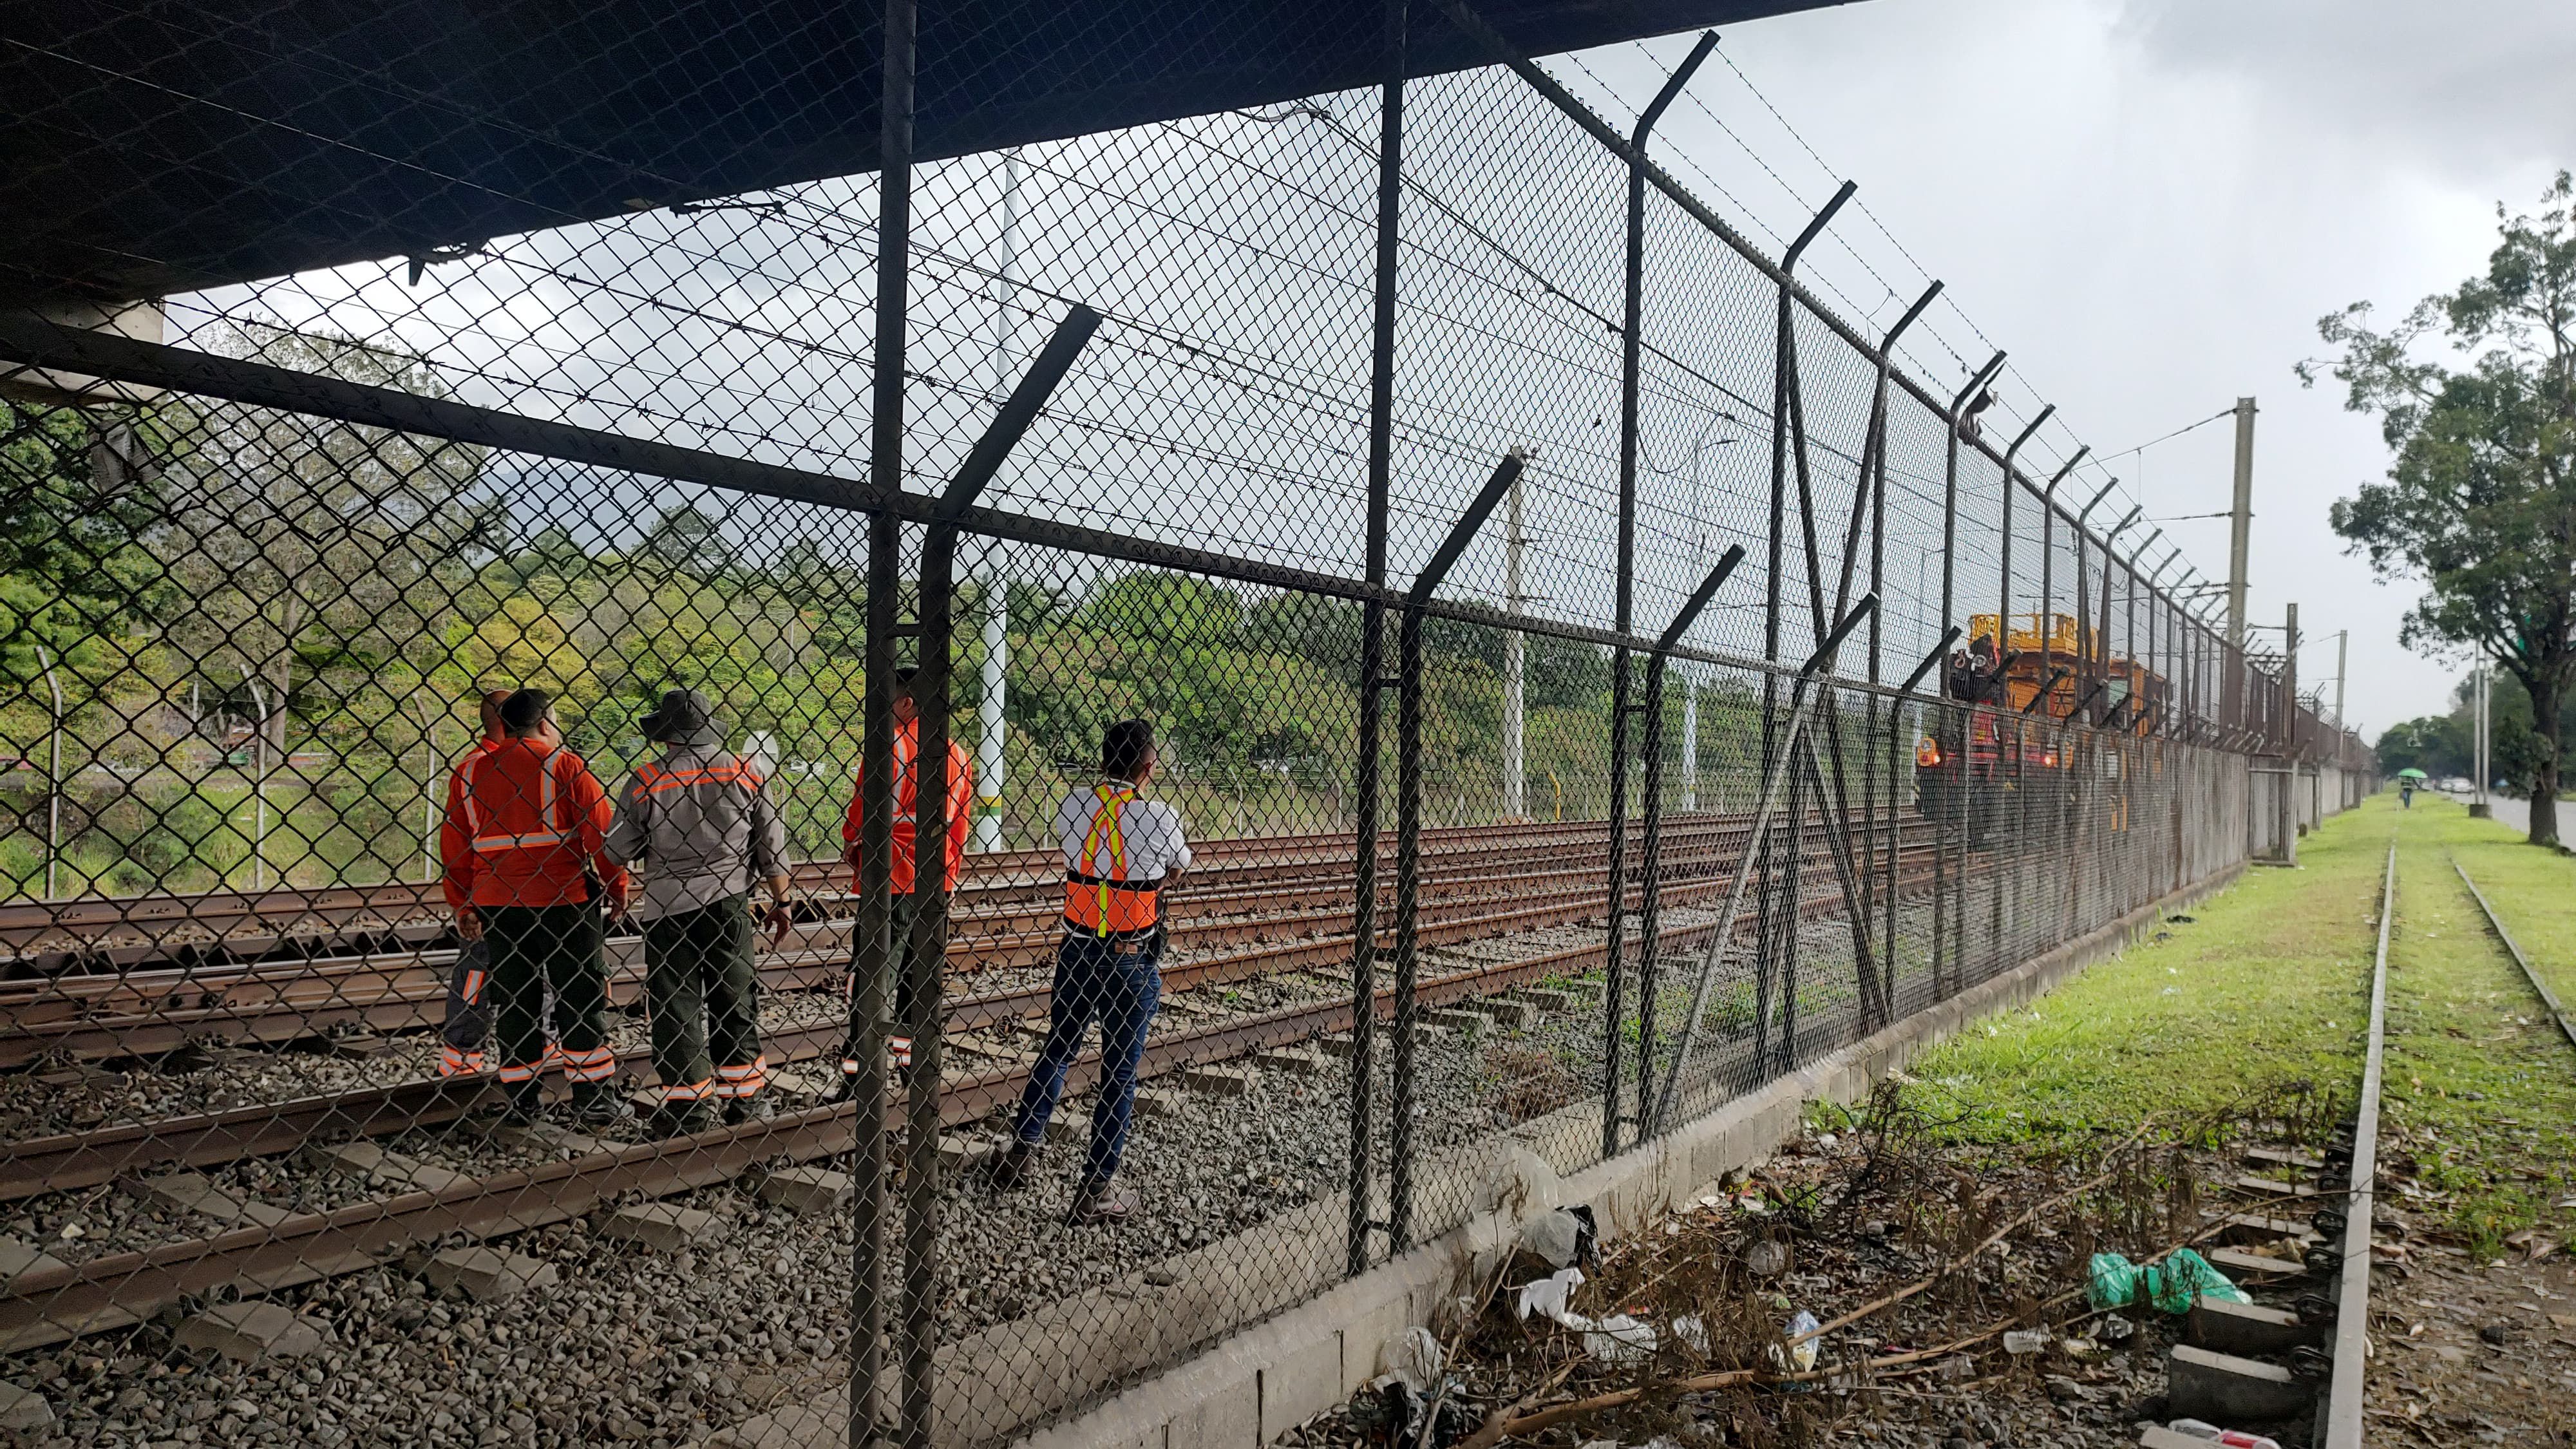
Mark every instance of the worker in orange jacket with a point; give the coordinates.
(468, 1022)
(961, 796)
(526, 822)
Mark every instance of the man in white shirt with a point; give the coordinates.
(1120, 851)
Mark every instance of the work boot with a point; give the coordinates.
(1100, 1202)
(598, 1104)
(680, 1119)
(1010, 1166)
(522, 1102)
(754, 1108)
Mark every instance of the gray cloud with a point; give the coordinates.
(2461, 88)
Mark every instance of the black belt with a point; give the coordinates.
(1141, 933)
(1076, 877)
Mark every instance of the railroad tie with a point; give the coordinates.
(374, 1165)
(194, 1192)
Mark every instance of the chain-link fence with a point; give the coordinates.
(1585, 678)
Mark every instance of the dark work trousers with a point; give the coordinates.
(1117, 983)
(542, 950)
(899, 990)
(469, 1016)
(469, 1012)
(705, 998)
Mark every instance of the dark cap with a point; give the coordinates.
(685, 717)
(521, 711)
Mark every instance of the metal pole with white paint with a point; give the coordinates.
(992, 734)
(53, 780)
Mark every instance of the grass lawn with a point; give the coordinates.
(2266, 984)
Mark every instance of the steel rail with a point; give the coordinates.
(71, 1161)
(2343, 1406)
(2539, 987)
(304, 1000)
(413, 905)
(51, 1304)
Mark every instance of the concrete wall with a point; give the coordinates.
(1250, 1387)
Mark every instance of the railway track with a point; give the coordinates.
(107, 934)
(50, 1303)
(2300, 1350)
(72, 1161)
(138, 1012)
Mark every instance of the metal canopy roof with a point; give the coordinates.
(155, 146)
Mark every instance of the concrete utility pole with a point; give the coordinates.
(2240, 522)
(2478, 751)
(1515, 542)
(2343, 642)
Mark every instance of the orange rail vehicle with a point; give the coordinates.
(2002, 745)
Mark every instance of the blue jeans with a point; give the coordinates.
(1117, 984)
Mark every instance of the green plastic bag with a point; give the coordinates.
(2173, 1285)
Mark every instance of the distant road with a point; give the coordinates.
(2510, 811)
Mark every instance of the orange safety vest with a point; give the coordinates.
(484, 835)
(1109, 904)
(523, 828)
(961, 792)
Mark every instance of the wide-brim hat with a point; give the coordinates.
(685, 716)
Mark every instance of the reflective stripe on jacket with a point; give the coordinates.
(525, 821)
(699, 827)
(1098, 896)
(961, 806)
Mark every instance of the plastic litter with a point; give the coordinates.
(1394, 1411)
(1547, 1296)
(1560, 1237)
(1803, 1353)
(1415, 1357)
(2023, 1341)
(2232, 1438)
(2115, 1329)
(1617, 1339)
(2112, 1281)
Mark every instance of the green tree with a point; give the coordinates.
(2435, 744)
(314, 552)
(75, 503)
(2480, 498)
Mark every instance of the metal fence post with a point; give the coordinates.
(1779, 940)
(1622, 702)
(1408, 841)
(1882, 799)
(925, 954)
(1945, 923)
(872, 959)
(1372, 662)
(1650, 885)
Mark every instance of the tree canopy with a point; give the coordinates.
(2479, 502)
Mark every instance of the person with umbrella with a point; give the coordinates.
(2406, 787)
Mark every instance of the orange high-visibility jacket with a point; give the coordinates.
(1098, 895)
(961, 805)
(524, 820)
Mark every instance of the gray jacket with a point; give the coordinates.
(698, 827)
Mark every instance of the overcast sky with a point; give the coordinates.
(2150, 204)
